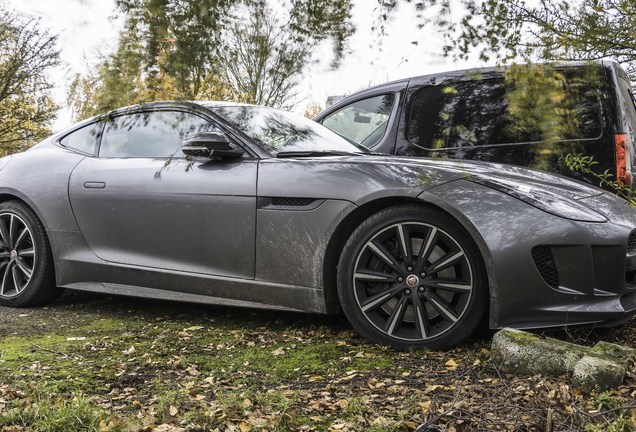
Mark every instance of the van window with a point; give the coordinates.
(628, 104)
(506, 110)
(363, 122)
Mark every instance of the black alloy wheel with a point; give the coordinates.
(411, 276)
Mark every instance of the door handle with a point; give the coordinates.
(95, 185)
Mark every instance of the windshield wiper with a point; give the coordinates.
(312, 153)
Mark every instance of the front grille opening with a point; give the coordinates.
(543, 259)
(292, 202)
(631, 243)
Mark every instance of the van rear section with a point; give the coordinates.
(624, 137)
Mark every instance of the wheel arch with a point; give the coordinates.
(11, 195)
(346, 227)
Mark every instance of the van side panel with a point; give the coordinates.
(477, 118)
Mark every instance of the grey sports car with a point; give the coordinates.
(251, 206)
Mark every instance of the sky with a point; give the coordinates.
(87, 27)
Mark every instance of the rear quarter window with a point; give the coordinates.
(84, 139)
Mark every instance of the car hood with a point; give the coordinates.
(360, 178)
(515, 175)
(438, 171)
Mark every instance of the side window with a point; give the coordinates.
(504, 111)
(458, 114)
(363, 122)
(84, 139)
(156, 134)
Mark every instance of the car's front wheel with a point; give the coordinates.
(26, 265)
(411, 276)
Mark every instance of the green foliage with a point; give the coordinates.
(538, 105)
(621, 422)
(45, 413)
(27, 52)
(511, 30)
(259, 59)
(210, 49)
(542, 105)
(585, 164)
(550, 30)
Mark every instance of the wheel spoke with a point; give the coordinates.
(445, 262)
(427, 246)
(379, 299)
(449, 285)
(26, 252)
(21, 237)
(4, 234)
(373, 276)
(5, 254)
(443, 309)
(421, 320)
(5, 277)
(381, 252)
(16, 279)
(24, 268)
(405, 243)
(396, 316)
(12, 230)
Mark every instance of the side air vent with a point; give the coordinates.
(289, 204)
(292, 202)
(544, 261)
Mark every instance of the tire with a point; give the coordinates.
(412, 277)
(27, 276)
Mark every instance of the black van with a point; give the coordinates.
(528, 115)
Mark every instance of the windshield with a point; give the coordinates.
(282, 131)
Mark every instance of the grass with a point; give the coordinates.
(95, 363)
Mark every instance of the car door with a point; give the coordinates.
(140, 202)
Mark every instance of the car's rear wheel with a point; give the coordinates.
(26, 265)
(411, 276)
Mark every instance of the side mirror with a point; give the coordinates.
(210, 145)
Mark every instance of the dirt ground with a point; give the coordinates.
(95, 362)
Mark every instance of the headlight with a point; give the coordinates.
(543, 200)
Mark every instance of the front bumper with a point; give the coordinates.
(589, 276)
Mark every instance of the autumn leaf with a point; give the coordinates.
(451, 365)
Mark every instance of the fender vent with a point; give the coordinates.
(292, 202)
(631, 243)
(543, 259)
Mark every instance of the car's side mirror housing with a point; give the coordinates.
(210, 145)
